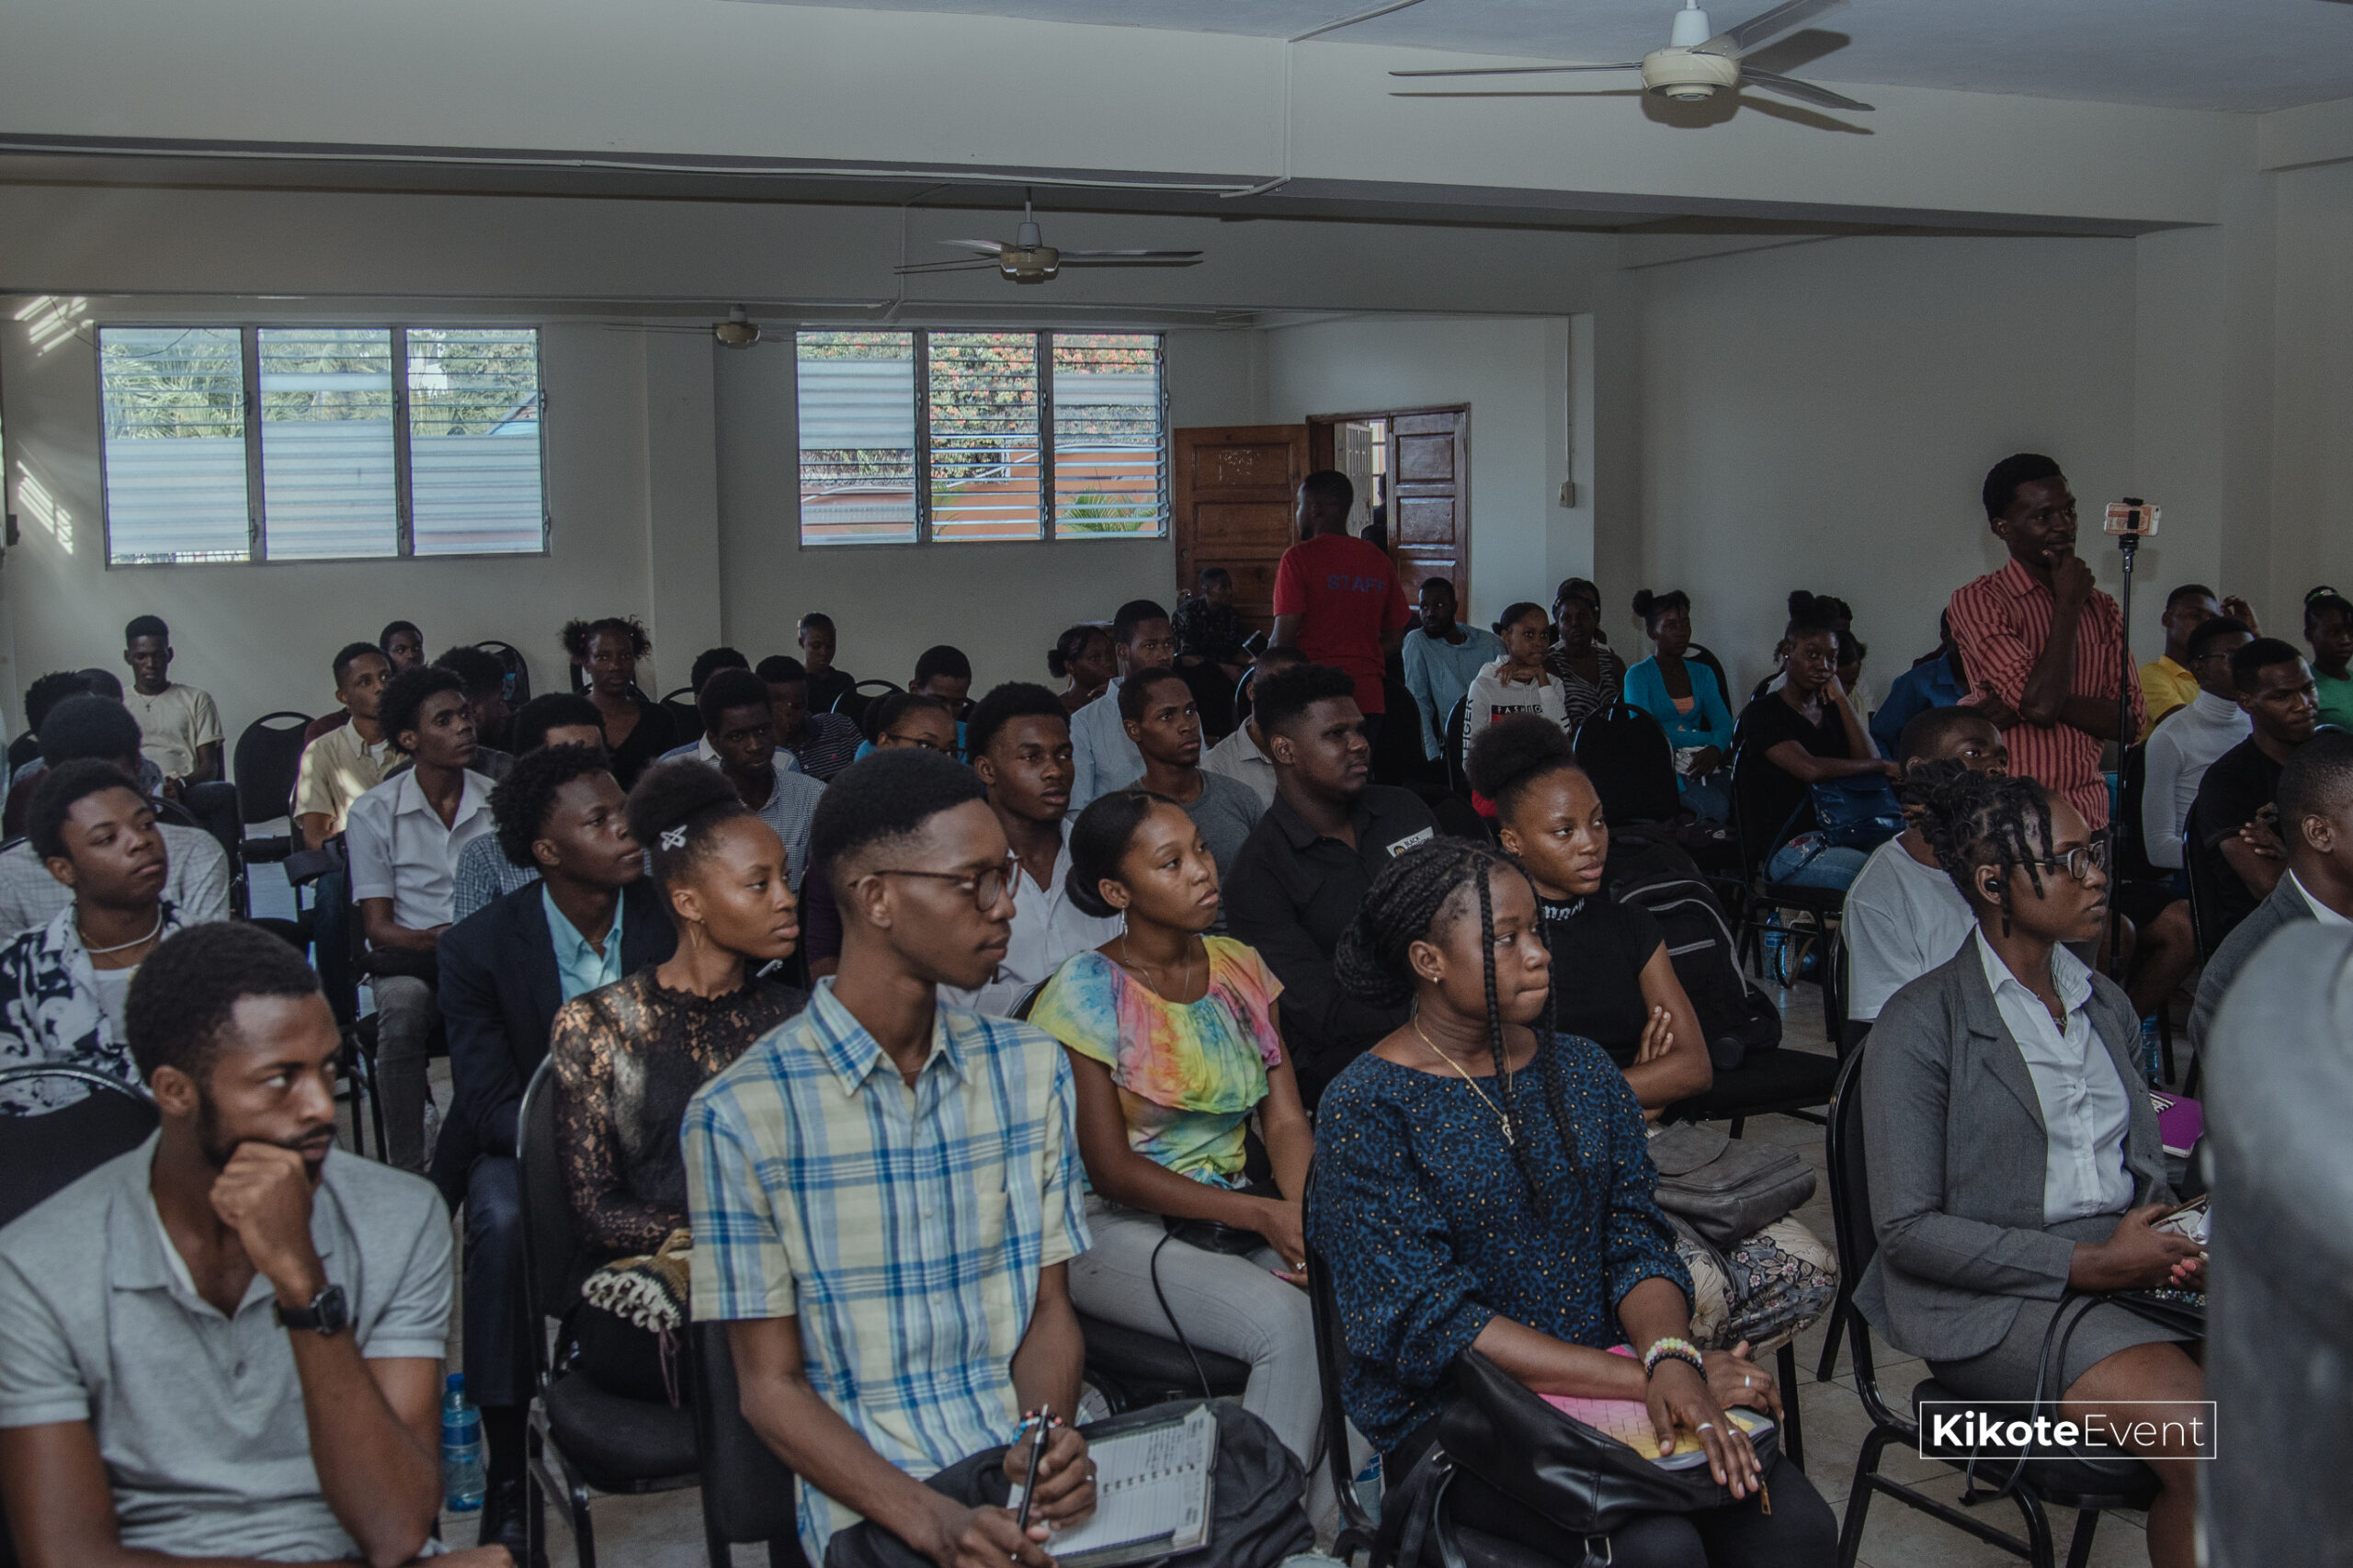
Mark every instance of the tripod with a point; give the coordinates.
(2129, 544)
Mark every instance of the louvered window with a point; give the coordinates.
(858, 437)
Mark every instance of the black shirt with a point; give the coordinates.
(1291, 894)
(827, 689)
(1599, 948)
(2237, 786)
(655, 733)
(1770, 794)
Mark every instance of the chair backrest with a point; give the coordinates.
(1850, 1219)
(2205, 898)
(550, 1244)
(1696, 655)
(269, 755)
(42, 1155)
(2132, 859)
(852, 704)
(1627, 754)
(746, 1490)
(1241, 696)
(1357, 1528)
(1451, 744)
(1747, 836)
(517, 668)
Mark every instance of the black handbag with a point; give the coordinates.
(1584, 1483)
(1216, 1236)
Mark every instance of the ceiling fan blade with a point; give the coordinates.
(973, 264)
(1132, 255)
(986, 247)
(1766, 25)
(1149, 259)
(1520, 70)
(1804, 92)
(1352, 21)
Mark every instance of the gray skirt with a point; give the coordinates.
(2099, 1329)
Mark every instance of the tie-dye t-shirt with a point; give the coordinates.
(1188, 1074)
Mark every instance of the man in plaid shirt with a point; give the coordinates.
(886, 1196)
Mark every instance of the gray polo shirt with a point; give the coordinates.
(198, 1416)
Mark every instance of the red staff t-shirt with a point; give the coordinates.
(1346, 593)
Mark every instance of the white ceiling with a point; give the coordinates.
(2245, 55)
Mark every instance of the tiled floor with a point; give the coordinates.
(665, 1530)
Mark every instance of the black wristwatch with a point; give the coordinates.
(329, 1314)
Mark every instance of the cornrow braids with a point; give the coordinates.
(1975, 819)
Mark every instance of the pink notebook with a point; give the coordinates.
(2179, 1122)
(1629, 1421)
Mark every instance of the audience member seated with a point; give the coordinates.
(1242, 755)
(2013, 1156)
(1021, 754)
(740, 728)
(2196, 734)
(1104, 758)
(630, 1053)
(686, 718)
(943, 672)
(2169, 680)
(345, 762)
(821, 744)
(871, 1352)
(1940, 680)
(1515, 682)
(1306, 866)
(1174, 1047)
(91, 729)
(1803, 733)
(2044, 646)
(558, 719)
(179, 727)
(1613, 983)
(901, 719)
(505, 971)
(1483, 1185)
(1590, 672)
(1166, 728)
(1682, 695)
(2240, 846)
(637, 729)
(403, 838)
(816, 640)
(485, 680)
(1209, 629)
(63, 984)
(2315, 801)
(1085, 659)
(2328, 626)
(41, 697)
(1337, 599)
(1442, 658)
(226, 1344)
(1903, 915)
(403, 644)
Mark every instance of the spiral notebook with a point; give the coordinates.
(1152, 1495)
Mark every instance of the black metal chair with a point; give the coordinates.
(748, 1494)
(263, 765)
(43, 1154)
(2089, 1485)
(852, 704)
(1815, 911)
(581, 1440)
(517, 668)
(1627, 754)
(1451, 744)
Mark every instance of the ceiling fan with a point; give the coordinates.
(1027, 258)
(1695, 64)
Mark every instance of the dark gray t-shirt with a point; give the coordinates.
(1225, 812)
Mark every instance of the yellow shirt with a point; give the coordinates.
(336, 769)
(2165, 686)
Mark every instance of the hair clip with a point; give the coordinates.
(674, 838)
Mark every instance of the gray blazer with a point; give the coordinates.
(2286, 906)
(1954, 1145)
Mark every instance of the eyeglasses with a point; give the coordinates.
(887, 740)
(986, 887)
(2077, 862)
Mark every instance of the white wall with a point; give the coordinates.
(2311, 499)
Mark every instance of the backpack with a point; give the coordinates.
(1736, 1014)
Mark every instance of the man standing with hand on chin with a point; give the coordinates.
(2044, 647)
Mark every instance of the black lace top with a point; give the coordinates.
(628, 1057)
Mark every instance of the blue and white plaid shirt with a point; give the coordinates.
(904, 1228)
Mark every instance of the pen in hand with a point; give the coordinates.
(1037, 1452)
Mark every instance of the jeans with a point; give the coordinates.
(1831, 868)
(406, 1011)
(497, 1330)
(1707, 800)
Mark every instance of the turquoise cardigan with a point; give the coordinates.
(1710, 722)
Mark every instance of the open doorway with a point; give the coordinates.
(1412, 471)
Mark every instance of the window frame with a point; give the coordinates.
(256, 503)
(1042, 357)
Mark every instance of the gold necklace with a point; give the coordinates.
(1146, 969)
(1509, 1137)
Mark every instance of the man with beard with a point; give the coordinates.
(227, 1343)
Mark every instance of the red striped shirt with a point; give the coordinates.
(2001, 621)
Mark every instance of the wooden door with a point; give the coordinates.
(1428, 463)
(1235, 485)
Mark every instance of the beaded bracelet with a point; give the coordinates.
(1028, 1416)
(1671, 1348)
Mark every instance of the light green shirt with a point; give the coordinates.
(580, 968)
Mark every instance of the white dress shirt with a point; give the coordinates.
(1902, 920)
(2184, 745)
(1238, 756)
(399, 850)
(2085, 1109)
(2321, 911)
(1102, 756)
(1047, 929)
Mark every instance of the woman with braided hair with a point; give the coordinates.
(2015, 1168)
(1480, 1184)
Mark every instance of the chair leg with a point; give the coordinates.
(1858, 1495)
(584, 1530)
(715, 1546)
(2164, 1037)
(1839, 1308)
(1794, 1435)
(2079, 1546)
(2039, 1551)
(1737, 1123)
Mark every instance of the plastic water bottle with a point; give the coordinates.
(462, 1480)
(1772, 942)
(1368, 1488)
